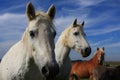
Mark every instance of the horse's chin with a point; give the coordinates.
(84, 56)
(82, 52)
(79, 51)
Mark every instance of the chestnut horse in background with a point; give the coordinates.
(84, 69)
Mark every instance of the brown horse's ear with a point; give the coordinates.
(30, 11)
(51, 11)
(103, 48)
(74, 23)
(97, 49)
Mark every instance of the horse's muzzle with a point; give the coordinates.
(50, 71)
(86, 52)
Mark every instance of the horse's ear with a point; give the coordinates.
(74, 23)
(82, 24)
(51, 11)
(97, 48)
(30, 11)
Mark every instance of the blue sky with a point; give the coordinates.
(102, 22)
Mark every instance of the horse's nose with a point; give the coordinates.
(50, 71)
(86, 52)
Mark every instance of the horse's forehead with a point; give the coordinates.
(101, 50)
(37, 22)
(74, 29)
(32, 23)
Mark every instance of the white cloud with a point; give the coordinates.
(7, 44)
(12, 8)
(12, 25)
(87, 3)
(83, 12)
(11, 30)
(4, 46)
(101, 42)
(105, 30)
(91, 23)
(63, 22)
(111, 45)
(12, 18)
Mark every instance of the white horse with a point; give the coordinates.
(72, 37)
(33, 57)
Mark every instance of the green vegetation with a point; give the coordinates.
(112, 63)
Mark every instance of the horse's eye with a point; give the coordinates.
(76, 33)
(32, 34)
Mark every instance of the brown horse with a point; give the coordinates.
(106, 73)
(84, 69)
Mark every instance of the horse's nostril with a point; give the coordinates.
(50, 71)
(88, 50)
(45, 71)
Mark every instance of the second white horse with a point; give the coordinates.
(71, 38)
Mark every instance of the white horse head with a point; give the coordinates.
(40, 35)
(33, 57)
(74, 37)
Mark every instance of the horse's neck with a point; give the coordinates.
(61, 51)
(94, 60)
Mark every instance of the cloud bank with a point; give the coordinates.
(101, 22)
